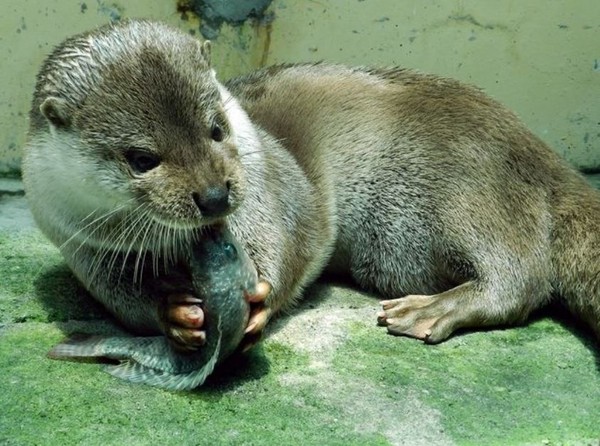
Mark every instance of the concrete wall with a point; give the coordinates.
(539, 57)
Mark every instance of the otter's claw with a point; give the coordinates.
(260, 314)
(182, 321)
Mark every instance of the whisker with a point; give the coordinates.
(113, 249)
(117, 238)
(141, 214)
(125, 230)
(106, 216)
(141, 255)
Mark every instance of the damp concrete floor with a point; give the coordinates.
(325, 374)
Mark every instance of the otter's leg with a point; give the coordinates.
(472, 304)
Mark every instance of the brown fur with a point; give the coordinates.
(412, 184)
(436, 185)
(143, 86)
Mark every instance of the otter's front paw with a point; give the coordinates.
(181, 317)
(260, 313)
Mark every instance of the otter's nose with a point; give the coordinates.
(213, 201)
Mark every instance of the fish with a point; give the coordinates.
(221, 274)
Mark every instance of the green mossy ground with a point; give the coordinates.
(325, 375)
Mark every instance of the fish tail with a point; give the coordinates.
(137, 373)
(77, 346)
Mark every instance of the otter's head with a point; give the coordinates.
(138, 105)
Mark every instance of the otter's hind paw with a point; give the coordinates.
(420, 317)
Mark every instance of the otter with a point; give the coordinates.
(420, 188)
(133, 145)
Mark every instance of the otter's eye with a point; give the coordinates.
(216, 132)
(230, 251)
(141, 161)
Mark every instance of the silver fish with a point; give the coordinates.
(221, 273)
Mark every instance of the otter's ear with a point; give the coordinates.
(205, 48)
(55, 111)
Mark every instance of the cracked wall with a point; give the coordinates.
(539, 57)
